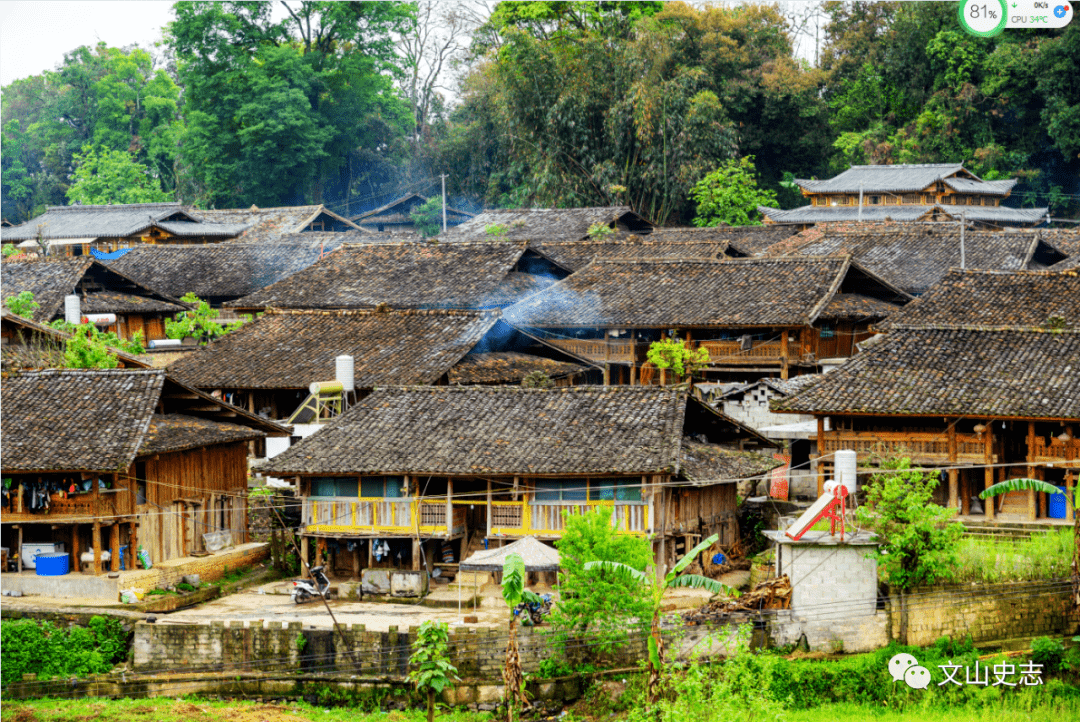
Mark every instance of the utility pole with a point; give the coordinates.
(963, 223)
(443, 176)
(860, 202)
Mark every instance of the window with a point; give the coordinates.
(551, 490)
(382, 487)
(615, 489)
(875, 200)
(828, 330)
(911, 199)
(333, 486)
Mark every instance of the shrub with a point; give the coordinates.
(30, 647)
(1047, 652)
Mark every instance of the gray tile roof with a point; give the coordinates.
(507, 367)
(226, 270)
(981, 187)
(706, 463)
(476, 430)
(52, 278)
(270, 224)
(785, 291)
(995, 299)
(545, 224)
(177, 432)
(291, 349)
(404, 275)
(119, 221)
(577, 254)
(954, 372)
(916, 257)
(833, 214)
(741, 240)
(893, 178)
(397, 211)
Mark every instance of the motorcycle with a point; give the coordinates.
(533, 613)
(303, 590)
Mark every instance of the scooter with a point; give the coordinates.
(303, 590)
(533, 613)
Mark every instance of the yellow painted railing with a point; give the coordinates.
(522, 518)
(350, 515)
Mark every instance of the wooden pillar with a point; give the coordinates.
(370, 553)
(1071, 511)
(1032, 508)
(356, 562)
(607, 374)
(449, 508)
(954, 492)
(489, 510)
(416, 555)
(633, 373)
(661, 562)
(18, 551)
(304, 551)
(1040, 474)
(133, 539)
(965, 493)
(75, 551)
(663, 377)
(988, 470)
(97, 544)
(114, 546)
(820, 456)
(784, 354)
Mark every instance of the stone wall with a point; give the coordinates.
(210, 568)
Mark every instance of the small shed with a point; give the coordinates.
(538, 557)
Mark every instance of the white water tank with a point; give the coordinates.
(72, 309)
(101, 319)
(344, 372)
(846, 469)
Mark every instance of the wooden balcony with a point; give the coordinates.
(600, 351)
(77, 508)
(1055, 450)
(545, 519)
(731, 353)
(350, 515)
(921, 447)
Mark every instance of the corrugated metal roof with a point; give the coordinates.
(897, 178)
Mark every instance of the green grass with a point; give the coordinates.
(1050, 712)
(1043, 556)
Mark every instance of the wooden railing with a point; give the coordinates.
(522, 518)
(1055, 450)
(919, 446)
(599, 350)
(350, 515)
(79, 506)
(731, 353)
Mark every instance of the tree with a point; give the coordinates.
(918, 544)
(104, 176)
(673, 353)
(199, 323)
(427, 217)
(654, 587)
(602, 605)
(22, 304)
(514, 593)
(1009, 485)
(429, 667)
(730, 195)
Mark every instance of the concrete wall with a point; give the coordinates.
(830, 576)
(753, 409)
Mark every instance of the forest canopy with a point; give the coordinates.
(537, 103)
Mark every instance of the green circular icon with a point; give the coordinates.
(984, 18)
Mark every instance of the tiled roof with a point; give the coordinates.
(855, 305)
(404, 275)
(834, 214)
(92, 420)
(1066, 240)
(544, 224)
(398, 210)
(36, 346)
(1071, 263)
(226, 269)
(874, 178)
(291, 349)
(996, 299)
(117, 222)
(954, 372)
(577, 254)
(514, 287)
(176, 432)
(476, 430)
(917, 257)
(108, 302)
(989, 188)
(708, 463)
(789, 291)
(508, 367)
(50, 279)
(741, 240)
(270, 224)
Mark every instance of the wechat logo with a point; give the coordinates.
(905, 667)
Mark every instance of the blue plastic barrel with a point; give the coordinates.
(1058, 507)
(53, 564)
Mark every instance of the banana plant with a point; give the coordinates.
(655, 588)
(1009, 485)
(514, 593)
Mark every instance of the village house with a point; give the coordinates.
(740, 241)
(977, 377)
(109, 299)
(410, 477)
(412, 275)
(270, 224)
(76, 230)
(933, 191)
(394, 217)
(915, 256)
(28, 345)
(777, 316)
(227, 271)
(575, 255)
(269, 365)
(547, 224)
(105, 461)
